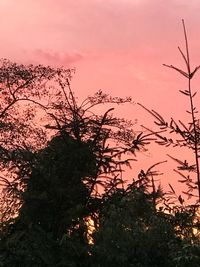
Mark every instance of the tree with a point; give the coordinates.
(188, 133)
(132, 232)
(45, 92)
(53, 177)
(22, 91)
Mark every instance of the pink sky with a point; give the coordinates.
(116, 45)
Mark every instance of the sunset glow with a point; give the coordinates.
(100, 133)
(117, 46)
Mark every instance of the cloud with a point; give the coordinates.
(57, 58)
(141, 28)
(93, 25)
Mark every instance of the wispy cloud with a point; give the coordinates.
(57, 58)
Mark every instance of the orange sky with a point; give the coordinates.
(116, 45)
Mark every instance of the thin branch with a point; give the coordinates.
(186, 46)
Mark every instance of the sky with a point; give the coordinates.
(118, 46)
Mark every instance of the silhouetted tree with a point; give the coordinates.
(52, 172)
(132, 233)
(182, 134)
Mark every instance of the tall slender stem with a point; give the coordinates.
(187, 47)
(195, 135)
(192, 109)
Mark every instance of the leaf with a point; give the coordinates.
(185, 92)
(172, 188)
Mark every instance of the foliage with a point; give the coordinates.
(130, 230)
(188, 134)
(37, 92)
(28, 247)
(51, 172)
